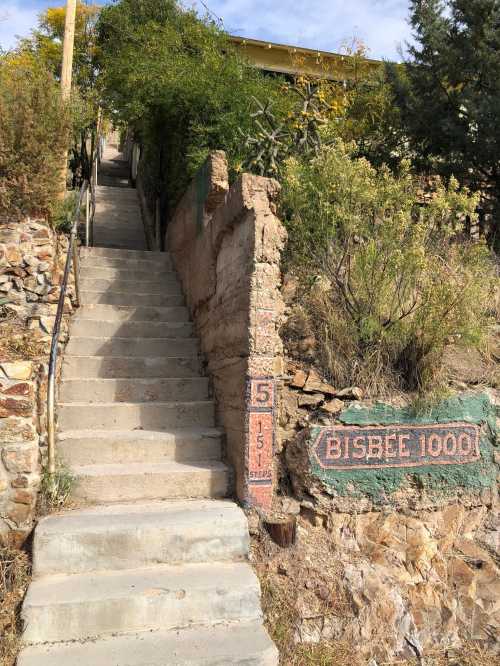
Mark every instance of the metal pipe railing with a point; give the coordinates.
(87, 195)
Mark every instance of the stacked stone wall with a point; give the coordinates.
(32, 258)
(226, 244)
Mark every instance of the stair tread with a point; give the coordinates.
(159, 513)
(244, 644)
(123, 405)
(141, 434)
(129, 469)
(60, 589)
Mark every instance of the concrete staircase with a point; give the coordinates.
(152, 569)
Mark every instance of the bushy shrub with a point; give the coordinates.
(34, 126)
(395, 282)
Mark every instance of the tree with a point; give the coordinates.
(176, 80)
(448, 94)
(46, 46)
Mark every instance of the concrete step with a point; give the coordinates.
(125, 298)
(124, 263)
(131, 415)
(80, 606)
(147, 255)
(80, 367)
(132, 536)
(120, 240)
(82, 327)
(134, 390)
(104, 346)
(103, 273)
(156, 286)
(103, 312)
(234, 644)
(99, 484)
(101, 447)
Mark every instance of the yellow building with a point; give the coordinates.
(293, 60)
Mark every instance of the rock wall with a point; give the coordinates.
(32, 258)
(226, 245)
(398, 543)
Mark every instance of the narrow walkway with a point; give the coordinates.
(152, 569)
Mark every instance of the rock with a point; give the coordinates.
(18, 513)
(310, 400)
(23, 389)
(334, 406)
(351, 393)
(299, 379)
(290, 505)
(20, 460)
(12, 407)
(315, 384)
(13, 255)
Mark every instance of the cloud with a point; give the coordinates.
(16, 19)
(323, 24)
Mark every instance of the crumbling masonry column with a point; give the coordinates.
(226, 246)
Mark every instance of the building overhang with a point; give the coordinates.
(296, 60)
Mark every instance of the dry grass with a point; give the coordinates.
(55, 490)
(14, 580)
(318, 332)
(17, 343)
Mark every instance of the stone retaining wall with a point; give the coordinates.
(226, 245)
(32, 258)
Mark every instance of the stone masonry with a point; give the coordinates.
(226, 244)
(32, 260)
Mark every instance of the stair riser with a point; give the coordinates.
(160, 609)
(131, 347)
(144, 276)
(166, 288)
(122, 313)
(87, 253)
(125, 329)
(126, 263)
(95, 367)
(117, 298)
(130, 390)
(95, 451)
(236, 644)
(122, 488)
(119, 549)
(126, 416)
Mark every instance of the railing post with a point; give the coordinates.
(76, 271)
(87, 218)
(51, 426)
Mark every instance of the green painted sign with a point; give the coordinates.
(375, 448)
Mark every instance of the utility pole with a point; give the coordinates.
(67, 72)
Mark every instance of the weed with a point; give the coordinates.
(14, 580)
(55, 489)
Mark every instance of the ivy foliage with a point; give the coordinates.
(178, 82)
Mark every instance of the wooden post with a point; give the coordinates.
(67, 74)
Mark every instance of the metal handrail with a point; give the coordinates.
(87, 192)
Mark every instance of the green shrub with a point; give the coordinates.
(33, 134)
(394, 282)
(177, 81)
